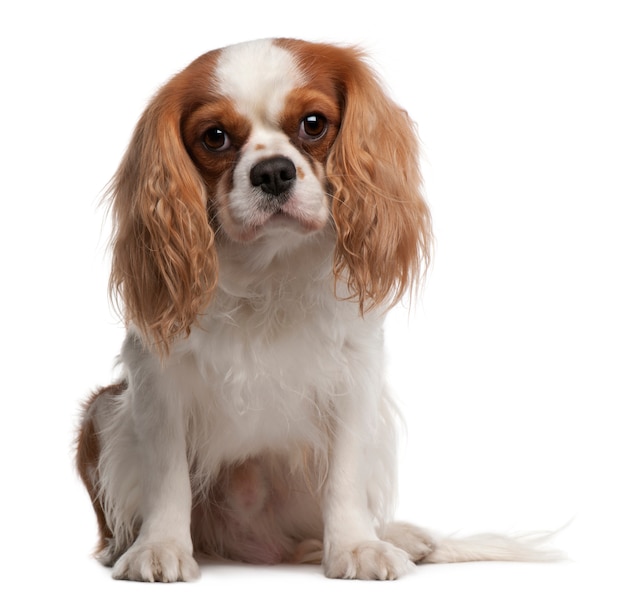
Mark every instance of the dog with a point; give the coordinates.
(267, 214)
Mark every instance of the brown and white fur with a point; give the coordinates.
(267, 214)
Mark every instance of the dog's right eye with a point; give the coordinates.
(215, 139)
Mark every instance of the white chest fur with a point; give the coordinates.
(270, 358)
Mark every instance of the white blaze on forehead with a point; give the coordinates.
(257, 76)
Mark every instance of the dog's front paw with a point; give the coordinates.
(164, 561)
(368, 560)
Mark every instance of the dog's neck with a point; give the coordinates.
(276, 264)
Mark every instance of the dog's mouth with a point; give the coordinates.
(292, 216)
(280, 222)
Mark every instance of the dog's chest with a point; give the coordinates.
(271, 370)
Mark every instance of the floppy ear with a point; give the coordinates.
(383, 223)
(164, 262)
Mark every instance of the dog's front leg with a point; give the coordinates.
(163, 549)
(352, 549)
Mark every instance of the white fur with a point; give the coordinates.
(257, 76)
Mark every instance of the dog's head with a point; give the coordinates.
(250, 143)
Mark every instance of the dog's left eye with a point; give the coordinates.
(313, 127)
(215, 140)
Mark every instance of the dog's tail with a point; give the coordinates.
(493, 547)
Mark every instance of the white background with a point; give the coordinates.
(510, 371)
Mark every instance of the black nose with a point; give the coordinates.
(275, 176)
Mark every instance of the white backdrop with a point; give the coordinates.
(510, 370)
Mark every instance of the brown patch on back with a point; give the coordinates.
(88, 456)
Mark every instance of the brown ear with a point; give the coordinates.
(164, 263)
(382, 220)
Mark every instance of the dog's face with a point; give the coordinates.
(270, 141)
(260, 136)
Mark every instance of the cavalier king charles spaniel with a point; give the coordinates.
(267, 214)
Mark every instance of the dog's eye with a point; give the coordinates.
(313, 127)
(215, 140)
